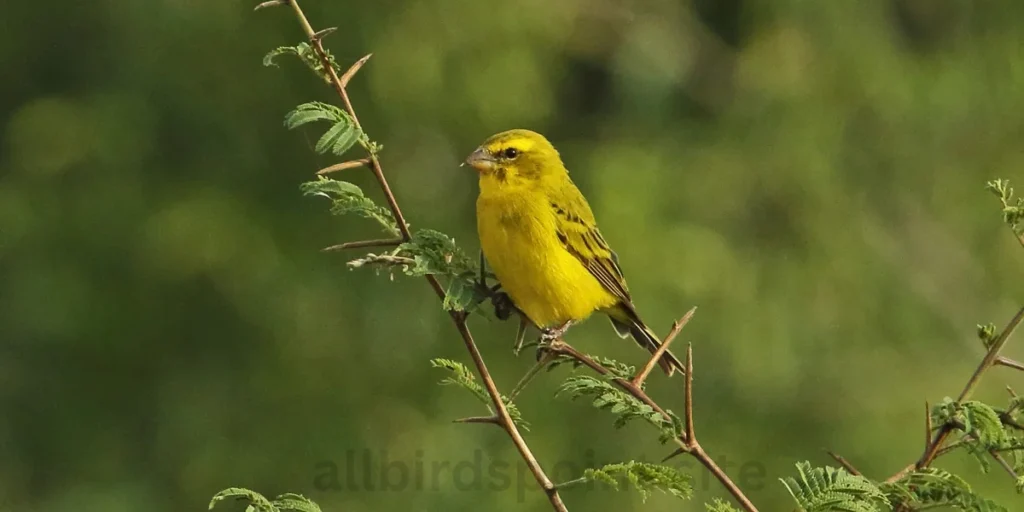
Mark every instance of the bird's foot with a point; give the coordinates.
(550, 334)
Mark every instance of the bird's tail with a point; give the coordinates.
(631, 325)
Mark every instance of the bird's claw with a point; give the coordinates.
(549, 334)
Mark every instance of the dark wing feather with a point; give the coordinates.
(583, 240)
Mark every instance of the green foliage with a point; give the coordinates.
(437, 254)
(259, 503)
(987, 334)
(933, 488)
(339, 138)
(643, 477)
(429, 252)
(983, 428)
(1013, 208)
(987, 431)
(460, 375)
(618, 369)
(308, 56)
(720, 505)
(347, 198)
(606, 396)
(826, 489)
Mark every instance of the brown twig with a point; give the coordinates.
(677, 326)
(843, 462)
(1009, 363)
(687, 440)
(927, 424)
(502, 416)
(1003, 462)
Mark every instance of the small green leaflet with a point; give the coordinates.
(339, 138)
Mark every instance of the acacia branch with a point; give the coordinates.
(502, 417)
(936, 447)
(687, 440)
(987, 362)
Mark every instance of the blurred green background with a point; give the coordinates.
(810, 174)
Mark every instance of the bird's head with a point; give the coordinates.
(514, 159)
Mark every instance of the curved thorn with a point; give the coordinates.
(479, 419)
(353, 69)
(270, 3)
(320, 34)
(351, 164)
(678, 452)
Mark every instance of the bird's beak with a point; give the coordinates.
(481, 160)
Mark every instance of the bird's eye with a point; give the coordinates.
(510, 153)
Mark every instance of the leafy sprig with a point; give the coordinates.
(288, 502)
(339, 138)
(626, 407)
(931, 487)
(305, 53)
(825, 489)
(1013, 207)
(642, 476)
(461, 376)
(347, 198)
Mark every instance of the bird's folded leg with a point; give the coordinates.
(520, 335)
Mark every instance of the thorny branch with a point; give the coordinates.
(687, 440)
(502, 417)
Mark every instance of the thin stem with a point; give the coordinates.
(339, 87)
(1006, 465)
(458, 318)
(843, 462)
(506, 420)
(990, 357)
(688, 395)
(677, 326)
(530, 374)
(927, 424)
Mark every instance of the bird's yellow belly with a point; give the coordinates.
(542, 278)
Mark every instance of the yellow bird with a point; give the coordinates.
(541, 240)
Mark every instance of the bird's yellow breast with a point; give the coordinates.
(518, 235)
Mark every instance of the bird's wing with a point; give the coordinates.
(578, 233)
